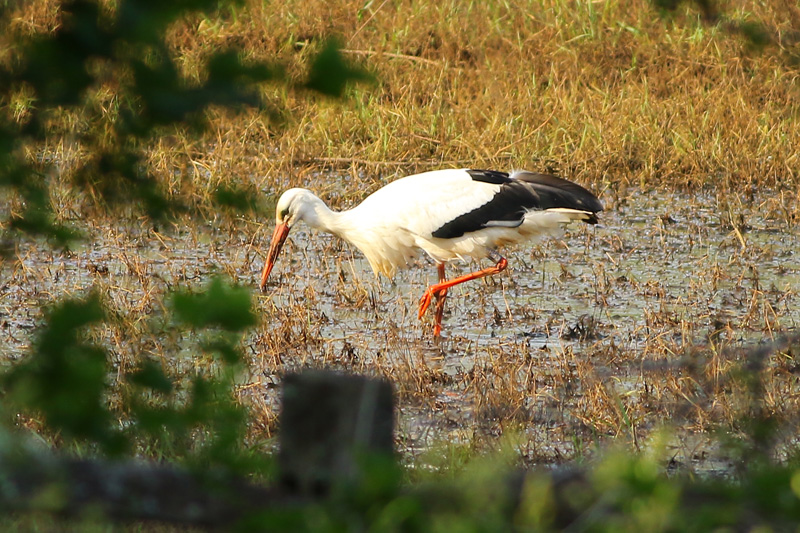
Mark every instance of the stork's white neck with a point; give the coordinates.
(317, 215)
(351, 225)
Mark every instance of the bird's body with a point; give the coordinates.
(448, 214)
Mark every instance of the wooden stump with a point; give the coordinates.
(329, 422)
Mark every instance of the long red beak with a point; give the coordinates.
(278, 238)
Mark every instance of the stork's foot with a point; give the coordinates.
(428, 297)
(425, 302)
(439, 291)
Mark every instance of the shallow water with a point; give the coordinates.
(604, 312)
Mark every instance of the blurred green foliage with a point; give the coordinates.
(65, 378)
(221, 306)
(756, 34)
(123, 50)
(62, 386)
(66, 381)
(330, 73)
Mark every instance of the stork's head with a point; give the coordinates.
(291, 208)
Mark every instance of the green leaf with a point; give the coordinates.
(330, 73)
(150, 375)
(235, 198)
(64, 378)
(221, 306)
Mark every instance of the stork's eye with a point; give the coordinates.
(284, 214)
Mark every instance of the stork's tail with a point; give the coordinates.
(575, 214)
(559, 195)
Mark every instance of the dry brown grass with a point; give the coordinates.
(611, 95)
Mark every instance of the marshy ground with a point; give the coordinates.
(609, 335)
(612, 332)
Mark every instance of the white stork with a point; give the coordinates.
(448, 214)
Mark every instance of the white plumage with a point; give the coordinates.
(448, 214)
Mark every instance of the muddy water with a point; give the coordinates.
(660, 274)
(571, 324)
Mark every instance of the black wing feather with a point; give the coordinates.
(489, 176)
(519, 193)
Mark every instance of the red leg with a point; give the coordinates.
(441, 287)
(440, 297)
